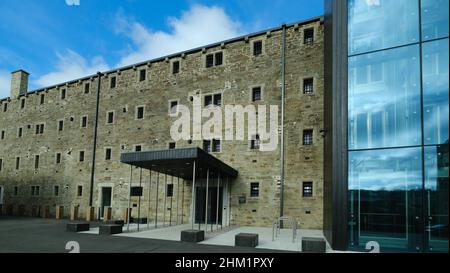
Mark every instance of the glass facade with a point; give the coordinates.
(398, 111)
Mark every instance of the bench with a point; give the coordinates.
(246, 239)
(313, 245)
(110, 229)
(77, 226)
(192, 236)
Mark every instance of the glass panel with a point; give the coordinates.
(384, 99)
(379, 24)
(435, 91)
(434, 19)
(436, 186)
(385, 188)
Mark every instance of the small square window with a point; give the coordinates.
(87, 88)
(42, 101)
(169, 190)
(140, 112)
(137, 148)
(173, 107)
(80, 191)
(81, 158)
(110, 117)
(216, 146)
(218, 99)
(142, 75)
(257, 48)
(63, 94)
(308, 36)
(256, 94)
(207, 145)
(307, 189)
(172, 145)
(108, 153)
(307, 137)
(176, 67)
(255, 143)
(308, 86)
(113, 82)
(254, 189)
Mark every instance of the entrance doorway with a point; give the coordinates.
(105, 200)
(214, 208)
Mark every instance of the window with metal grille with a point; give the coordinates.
(254, 189)
(257, 48)
(308, 86)
(169, 190)
(256, 93)
(307, 189)
(113, 82)
(308, 36)
(307, 137)
(176, 67)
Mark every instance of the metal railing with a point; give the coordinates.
(276, 228)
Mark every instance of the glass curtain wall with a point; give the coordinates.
(398, 111)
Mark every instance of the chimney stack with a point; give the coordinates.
(19, 83)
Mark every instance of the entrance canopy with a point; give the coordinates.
(179, 162)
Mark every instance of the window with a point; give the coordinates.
(176, 67)
(214, 59)
(36, 161)
(5, 107)
(218, 99)
(110, 117)
(169, 190)
(20, 132)
(207, 145)
(255, 143)
(108, 154)
(257, 48)
(16, 190)
(58, 158)
(137, 148)
(142, 75)
(60, 125)
(256, 94)
(140, 112)
(84, 120)
(254, 189)
(308, 86)
(172, 145)
(17, 163)
(208, 100)
(307, 189)
(215, 99)
(307, 137)
(80, 191)
(1, 164)
(87, 87)
(35, 190)
(39, 129)
(22, 103)
(42, 99)
(216, 146)
(113, 82)
(173, 107)
(63, 94)
(56, 190)
(2, 135)
(308, 36)
(81, 159)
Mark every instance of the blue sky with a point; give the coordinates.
(56, 42)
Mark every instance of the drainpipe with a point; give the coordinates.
(91, 192)
(283, 89)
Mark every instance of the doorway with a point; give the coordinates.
(214, 208)
(105, 200)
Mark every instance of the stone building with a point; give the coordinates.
(48, 135)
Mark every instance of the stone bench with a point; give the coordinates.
(116, 222)
(192, 236)
(246, 239)
(313, 245)
(77, 226)
(110, 229)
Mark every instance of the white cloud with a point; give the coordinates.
(5, 83)
(198, 26)
(70, 66)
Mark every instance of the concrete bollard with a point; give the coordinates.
(90, 214)
(59, 212)
(107, 211)
(74, 213)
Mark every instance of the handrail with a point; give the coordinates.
(276, 227)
